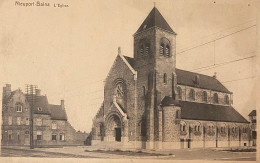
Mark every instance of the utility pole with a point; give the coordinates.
(30, 93)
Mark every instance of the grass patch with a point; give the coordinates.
(242, 150)
(126, 153)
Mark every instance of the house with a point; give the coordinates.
(50, 122)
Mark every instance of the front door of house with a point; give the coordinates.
(118, 134)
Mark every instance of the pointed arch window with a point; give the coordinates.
(192, 94)
(179, 90)
(167, 50)
(215, 98)
(165, 78)
(205, 96)
(147, 49)
(162, 49)
(144, 91)
(226, 99)
(142, 50)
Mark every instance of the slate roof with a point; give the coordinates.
(188, 78)
(130, 60)
(57, 113)
(167, 100)
(207, 82)
(210, 112)
(155, 19)
(252, 113)
(41, 102)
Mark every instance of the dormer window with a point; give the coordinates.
(19, 108)
(39, 109)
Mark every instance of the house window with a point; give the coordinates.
(205, 96)
(215, 98)
(162, 49)
(54, 125)
(53, 137)
(27, 122)
(18, 120)
(62, 137)
(39, 109)
(179, 92)
(226, 99)
(38, 121)
(192, 94)
(10, 132)
(165, 78)
(147, 49)
(39, 135)
(183, 126)
(167, 50)
(19, 108)
(10, 120)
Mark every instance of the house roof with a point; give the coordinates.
(42, 103)
(155, 19)
(252, 113)
(210, 112)
(57, 113)
(207, 82)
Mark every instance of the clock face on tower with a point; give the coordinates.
(119, 90)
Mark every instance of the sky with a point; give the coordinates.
(68, 52)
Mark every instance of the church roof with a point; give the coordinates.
(188, 78)
(252, 113)
(210, 112)
(207, 82)
(155, 19)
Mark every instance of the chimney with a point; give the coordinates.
(62, 104)
(38, 92)
(215, 75)
(7, 90)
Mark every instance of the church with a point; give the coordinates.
(151, 104)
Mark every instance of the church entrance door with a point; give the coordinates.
(118, 134)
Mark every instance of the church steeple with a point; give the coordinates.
(155, 19)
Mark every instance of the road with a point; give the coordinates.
(80, 152)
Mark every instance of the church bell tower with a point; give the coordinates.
(155, 62)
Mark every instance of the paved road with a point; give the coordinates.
(79, 152)
(33, 153)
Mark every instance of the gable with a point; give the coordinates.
(121, 64)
